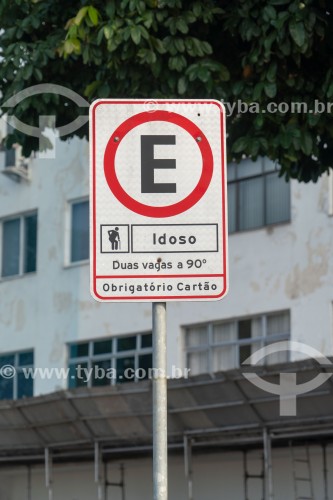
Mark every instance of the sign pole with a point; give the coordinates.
(160, 431)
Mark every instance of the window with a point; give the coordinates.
(8, 154)
(79, 242)
(10, 157)
(257, 196)
(19, 385)
(107, 359)
(226, 345)
(19, 245)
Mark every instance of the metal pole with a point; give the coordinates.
(188, 466)
(49, 472)
(122, 481)
(325, 471)
(160, 432)
(268, 479)
(98, 480)
(29, 483)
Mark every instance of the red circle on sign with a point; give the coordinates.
(155, 211)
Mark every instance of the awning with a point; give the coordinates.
(221, 409)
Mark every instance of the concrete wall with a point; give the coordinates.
(286, 266)
(215, 476)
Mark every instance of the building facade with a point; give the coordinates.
(281, 268)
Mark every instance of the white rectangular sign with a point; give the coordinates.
(158, 200)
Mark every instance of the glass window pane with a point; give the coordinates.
(278, 324)
(24, 386)
(124, 364)
(244, 352)
(26, 358)
(101, 373)
(77, 377)
(278, 357)
(126, 344)
(244, 329)
(30, 241)
(80, 231)
(7, 360)
(277, 199)
(232, 207)
(10, 157)
(225, 332)
(197, 336)
(197, 362)
(11, 247)
(6, 388)
(256, 327)
(79, 350)
(224, 358)
(146, 340)
(145, 362)
(251, 203)
(103, 346)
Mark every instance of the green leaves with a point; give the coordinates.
(269, 13)
(270, 89)
(72, 45)
(244, 54)
(93, 15)
(271, 72)
(80, 16)
(88, 12)
(297, 31)
(136, 35)
(177, 63)
(306, 143)
(182, 85)
(240, 145)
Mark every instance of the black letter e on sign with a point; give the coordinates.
(149, 163)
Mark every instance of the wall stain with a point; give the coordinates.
(62, 301)
(255, 286)
(19, 315)
(86, 305)
(52, 253)
(304, 281)
(14, 314)
(276, 284)
(6, 316)
(58, 347)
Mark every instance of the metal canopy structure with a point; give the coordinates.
(219, 410)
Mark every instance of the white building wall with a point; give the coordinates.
(215, 476)
(287, 266)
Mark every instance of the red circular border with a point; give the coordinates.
(167, 210)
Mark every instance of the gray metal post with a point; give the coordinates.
(49, 472)
(325, 470)
(188, 466)
(160, 431)
(29, 483)
(268, 477)
(98, 479)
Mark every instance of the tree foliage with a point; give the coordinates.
(254, 51)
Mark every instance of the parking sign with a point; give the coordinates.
(158, 200)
